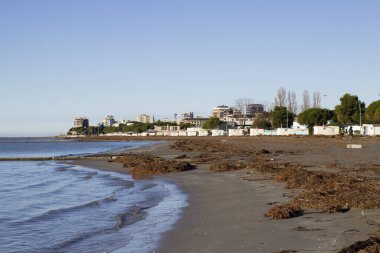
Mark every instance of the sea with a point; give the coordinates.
(54, 206)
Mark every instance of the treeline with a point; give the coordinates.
(285, 109)
(133, 127)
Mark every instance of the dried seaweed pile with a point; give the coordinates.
(194, 145)
(327, 192)
(372, 245)
(322, 191)
(223, 166)
(206, 158)
(285, 211)
(141, 165)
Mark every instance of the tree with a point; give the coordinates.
(372, 113)
(316, 99)
(76, 130)
(184, 125)
(350, 109)
(241, 106)
(292, 102)
(281, 117)
(315, 117)
(211, 123)
(305, 100)
(262, 122)
(280, 99)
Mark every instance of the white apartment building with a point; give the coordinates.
(109, 120)
(221, 111)
(143, 118)
(81, 122)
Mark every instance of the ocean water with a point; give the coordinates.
(52, 206)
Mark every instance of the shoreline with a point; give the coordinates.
(226, 213)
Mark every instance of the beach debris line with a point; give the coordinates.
(371, 245)
(326, 192)
(142, 164)
(223, 166)
(322, 191)
(285, 211)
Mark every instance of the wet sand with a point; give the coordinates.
(226, 213)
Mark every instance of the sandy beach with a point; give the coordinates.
(226, 211)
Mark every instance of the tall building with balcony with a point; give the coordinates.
(109, 120)
(81, 122)
(187, 115)
(221, 111)
(143, 118)
(253, 109)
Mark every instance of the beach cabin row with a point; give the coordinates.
(366, 129)
(370, 129)
(278, 132)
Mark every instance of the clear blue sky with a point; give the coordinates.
(61, 59)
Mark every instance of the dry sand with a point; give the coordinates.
(226, 213)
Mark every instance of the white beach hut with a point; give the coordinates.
(326, 130)
(203, 132)
(256, 132)
(217, 132)
(235, 132)
(370, 129)
(285, 131)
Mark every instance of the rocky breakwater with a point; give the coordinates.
(141, 165)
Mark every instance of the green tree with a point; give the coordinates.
(211, 123)
(78, 130)
(162, 123)
(110, 129)
(281, 117)
(315, 117)
(372, 113)
(261, 121)
(101, 129)
(350, 109)
(184, 125)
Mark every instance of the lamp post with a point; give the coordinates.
(287, 118)
(325, 98)
(360, 114)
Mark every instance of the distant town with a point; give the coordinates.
(284, 117)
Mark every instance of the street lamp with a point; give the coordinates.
(325, 98)
(287, 118)
(360, 114)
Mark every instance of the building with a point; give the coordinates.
(197, 122)
(143, 118)
(187, 115)
(256, 132)
(370, 129)
(217, 132)
(326, 130)
(253, 109)
(81, 122)
(221, 111)
(166, 128)
(236, 132)
(109, 120)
